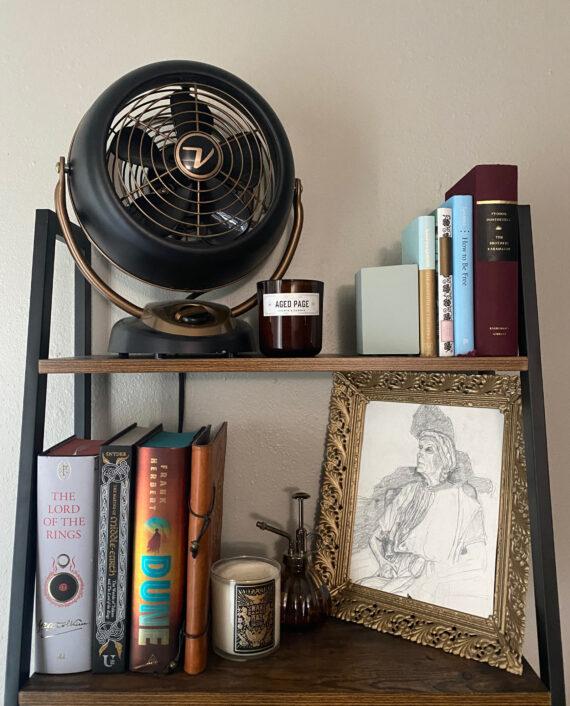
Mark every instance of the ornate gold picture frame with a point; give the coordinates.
(428, 535)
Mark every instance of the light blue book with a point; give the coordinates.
(418, 248)
(418, 243)
(462, 218)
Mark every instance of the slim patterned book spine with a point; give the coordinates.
(159, 559)
(65, 566)
(113, 551)
(444, 230)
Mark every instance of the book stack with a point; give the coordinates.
(127, 531)
(466, 255)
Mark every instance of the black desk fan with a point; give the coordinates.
(182, 176)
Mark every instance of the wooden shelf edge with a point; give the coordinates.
(321, 363)
(196, 698)
(338, 663)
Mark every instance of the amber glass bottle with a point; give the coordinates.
(305, 600)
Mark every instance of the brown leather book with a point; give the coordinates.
(204, 537)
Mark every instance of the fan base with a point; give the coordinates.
(131, 336)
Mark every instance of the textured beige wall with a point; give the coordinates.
(386, 104)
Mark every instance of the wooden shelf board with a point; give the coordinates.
(258, 364)
(339, 663)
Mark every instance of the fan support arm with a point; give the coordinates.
(103, 288)
(85, 268)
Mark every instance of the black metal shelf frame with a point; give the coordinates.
(46, 233)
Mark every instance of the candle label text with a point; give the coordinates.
(255, 617)
(291, 304)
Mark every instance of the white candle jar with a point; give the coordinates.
(246, 602)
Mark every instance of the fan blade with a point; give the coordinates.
(208, 213)
(136, 146)
(242, 158)
(229, 213)
(215, 215)
(166, 207)
(189, 114)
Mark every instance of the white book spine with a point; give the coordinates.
(65, 566)
(444, 243)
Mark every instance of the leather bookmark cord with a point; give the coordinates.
(206, 519)
(197, 635)
(173, 664)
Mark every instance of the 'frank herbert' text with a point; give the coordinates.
(157, 485)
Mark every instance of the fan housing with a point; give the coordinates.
(182, 175)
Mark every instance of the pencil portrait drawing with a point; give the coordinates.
(428, 529)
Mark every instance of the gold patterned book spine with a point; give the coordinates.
(418, 248)
(428, 313)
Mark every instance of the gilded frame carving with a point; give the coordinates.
(496, 640)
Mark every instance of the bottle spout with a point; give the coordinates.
(270, 528)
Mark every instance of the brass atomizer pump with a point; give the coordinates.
(305, 600)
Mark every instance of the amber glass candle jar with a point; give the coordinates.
(290, 317)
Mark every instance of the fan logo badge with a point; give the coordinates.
(198, 156)
(198, 161)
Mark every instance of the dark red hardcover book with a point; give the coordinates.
(495, 255)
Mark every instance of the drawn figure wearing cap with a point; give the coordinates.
(430, 534)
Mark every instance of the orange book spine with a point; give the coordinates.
(204, 535)
(159, 559)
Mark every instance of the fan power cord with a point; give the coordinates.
(181, 400)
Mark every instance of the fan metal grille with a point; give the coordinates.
(152, 184)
